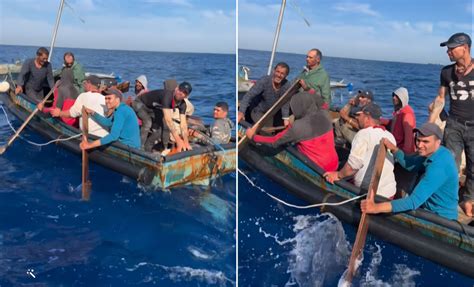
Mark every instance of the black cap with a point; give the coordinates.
(185, 87)
(93, 79)
(366, 94)
(457, 39)
(112, 91)
(372, 110)
(429, 129)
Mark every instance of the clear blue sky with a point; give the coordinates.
(150, 25)
(394, 30)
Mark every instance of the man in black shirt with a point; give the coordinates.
(163, 102)
(35, 75)
(457, 80)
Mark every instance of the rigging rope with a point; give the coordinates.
(299, 206)
(33, 143)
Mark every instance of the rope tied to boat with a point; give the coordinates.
(300, 206)
(34, 143)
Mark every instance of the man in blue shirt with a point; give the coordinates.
(437, 190)
(123, 123)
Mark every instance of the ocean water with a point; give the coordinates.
(283, 246)
(126, 235)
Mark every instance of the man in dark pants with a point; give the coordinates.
(163, 102)
(35, 75)
(457, 80)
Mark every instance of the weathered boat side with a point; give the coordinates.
(146, 168)
(421, 232)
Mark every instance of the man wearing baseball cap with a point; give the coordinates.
(123, 124)
(163, 102)
(437, 190)
(90, 99)
(347, 126)
(360, 158)
(457, 80)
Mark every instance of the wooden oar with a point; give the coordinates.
(364, 220)
(86, 183)
(272, 129)
(272, 111)
(13, 138)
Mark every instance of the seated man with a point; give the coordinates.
(91, 99)
(219, 132)
(141, 87)
(270, 89)
(437, 190)
(403, 121)
(123, 123)
(311, 131)
(163, 102)
(362, 156)
(347, 126)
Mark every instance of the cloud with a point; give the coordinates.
(184, 3)
(357, 8)
(258, 9)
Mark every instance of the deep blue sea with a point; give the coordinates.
(282, 246)
(125, 235)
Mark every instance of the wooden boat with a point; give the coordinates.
(201, 164)
(421, 232)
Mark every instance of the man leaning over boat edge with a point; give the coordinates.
(438, 188)
(123, 123)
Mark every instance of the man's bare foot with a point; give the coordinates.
(467, 207)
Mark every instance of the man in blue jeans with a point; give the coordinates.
(457, 81)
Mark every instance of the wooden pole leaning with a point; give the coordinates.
(22, 127)
(272, 111)
(361, 236)
(86, 183)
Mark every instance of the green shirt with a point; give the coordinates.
(318, 80)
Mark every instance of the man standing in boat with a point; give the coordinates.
(437, 189)
(123, 123)
(91, 99)
(315, 77)
(163, 102)
(270, 89)
(361, 158)
(35, 76)
(458, 80)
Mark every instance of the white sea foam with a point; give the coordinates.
(320, 253)
(185, 274)
(199, 253)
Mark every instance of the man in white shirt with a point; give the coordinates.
(362, 157)
(90, 99)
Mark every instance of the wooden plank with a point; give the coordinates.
(86, 184)
(361, 236)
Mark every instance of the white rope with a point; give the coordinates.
(299, 206)
(33, 143)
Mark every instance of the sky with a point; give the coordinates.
(391, 30)
(206, 26)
